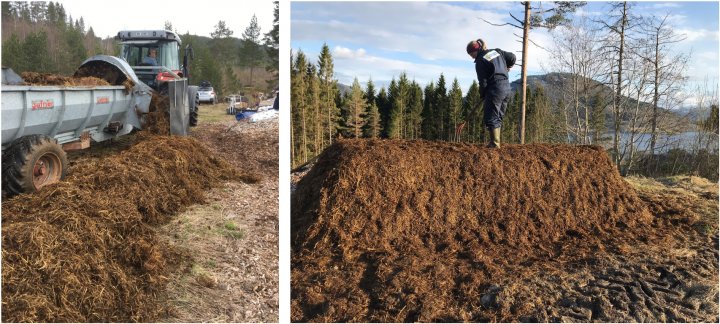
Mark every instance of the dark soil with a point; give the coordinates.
(84, 250)
(400, 231)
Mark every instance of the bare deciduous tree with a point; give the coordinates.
(667, 68)
(575, 54)
(621, 23)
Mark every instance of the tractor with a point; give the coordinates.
(40, 123)
(166, 70)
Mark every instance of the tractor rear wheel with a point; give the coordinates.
(194, 111)
(32, 162)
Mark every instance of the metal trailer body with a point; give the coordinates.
(179, 94)
(66, 113)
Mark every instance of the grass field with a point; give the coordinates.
(214, 113)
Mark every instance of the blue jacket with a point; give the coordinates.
(149, 60)
(492, 68)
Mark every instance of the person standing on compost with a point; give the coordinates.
(492, 67)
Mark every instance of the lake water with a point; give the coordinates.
(665, 142)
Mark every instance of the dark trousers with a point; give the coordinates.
(496, 101)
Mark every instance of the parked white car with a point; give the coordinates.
(207, 94)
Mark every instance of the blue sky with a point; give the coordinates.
(379, 40)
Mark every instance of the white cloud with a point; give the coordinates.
(673, 19)
(346, 53)
(433, 31)
(690, 102)
(581, 12)
(381, 69)
(698, 34)
(666, 5)
(707, 66)
(707, 56)
(422, 39)
(499, 5)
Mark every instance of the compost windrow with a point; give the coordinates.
(396, 231)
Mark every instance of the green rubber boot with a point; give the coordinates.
(494, 138)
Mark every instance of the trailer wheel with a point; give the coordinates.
(32, 162)
(194, 111)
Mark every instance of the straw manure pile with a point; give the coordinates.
(85, 250)
(48, 79)
(389, 230)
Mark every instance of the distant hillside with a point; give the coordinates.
(344, 89)
(553, 83)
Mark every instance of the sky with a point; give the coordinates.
(197, 17)
(379, 40)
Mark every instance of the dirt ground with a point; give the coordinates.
(672, 277)
(664, 270)
(233, 239)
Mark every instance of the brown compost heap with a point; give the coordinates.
(397, 231)
(48, 79)
(85, 250)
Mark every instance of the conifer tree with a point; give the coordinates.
(298, 97)
(370, 92)
(510, 120)
(355, 107)
(383, 103)
(372, 126)
(474, 115)
(313, 109)
(415, 108)
(250, 54)
(328, 92)
(455, 118)
(35, 50)
(441, 108)
(429, 114)
(597, 117)
(13, 54)
(272, 41)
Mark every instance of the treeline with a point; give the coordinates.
(618, 82)
(405, 110)
(43, 37)
(236, 65)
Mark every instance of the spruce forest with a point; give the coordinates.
(42, 37)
